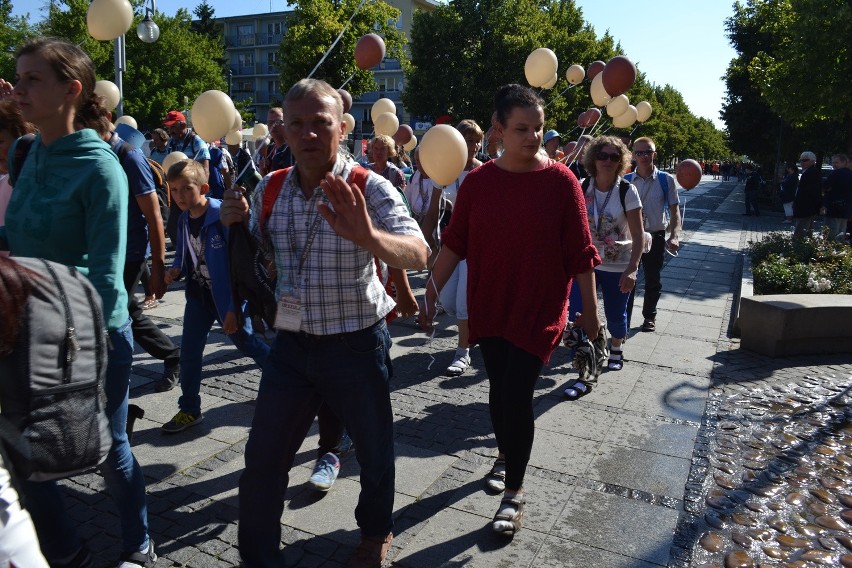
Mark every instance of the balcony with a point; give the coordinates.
(266, 69)
(239, 70)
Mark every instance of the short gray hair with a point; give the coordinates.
(316, 87)
(809, 155)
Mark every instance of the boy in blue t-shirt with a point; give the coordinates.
(202, 256)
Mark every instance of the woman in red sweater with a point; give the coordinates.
(520, 223)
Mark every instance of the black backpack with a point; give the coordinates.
(623, 186)
(53, 422)
(160, 182)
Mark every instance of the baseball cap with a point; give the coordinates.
(550, 135)
(172, 117)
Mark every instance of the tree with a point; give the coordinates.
(314, 26)
(13, 31)
(166, 75)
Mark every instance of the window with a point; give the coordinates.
(245, 60)
(273, 28)
(271, 57)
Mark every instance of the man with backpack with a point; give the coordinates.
(183, 139)
(660, 213)
(145, 235)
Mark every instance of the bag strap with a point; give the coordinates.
(270, 194)
(19, 156)
(623, 187)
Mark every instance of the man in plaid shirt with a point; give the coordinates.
(332, 344)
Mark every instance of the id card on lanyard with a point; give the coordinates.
(288, 317)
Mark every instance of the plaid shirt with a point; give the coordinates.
(338, 286)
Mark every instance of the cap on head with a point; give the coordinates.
(550, 135)
(172, 117)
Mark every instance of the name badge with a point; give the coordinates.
(289, 314)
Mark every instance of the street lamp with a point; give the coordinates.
(147, 30)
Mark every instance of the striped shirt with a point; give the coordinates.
(337, 283)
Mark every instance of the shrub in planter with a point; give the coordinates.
(813, 265)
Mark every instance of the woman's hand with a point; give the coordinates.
(590, 323)
(628, 280)
(171, 275)
(230, 323)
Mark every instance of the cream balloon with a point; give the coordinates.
(212, 115)
(411, 144)
(443, 153)
(575, 74)
(234, 137)
(349, 121)
(552, 83)
(173, 157)
(126, 119)
(260, 131)
(382, 106)
(108, 19)
(626, 119)
(386, 123)
(643, 111)
(109, 93)
(540, 66)
(599, 94)
(617, 106)
(238, 121)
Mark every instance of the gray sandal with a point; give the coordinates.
(496, 479)
(509, 517)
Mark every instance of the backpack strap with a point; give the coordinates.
(359, 176)
(270, 194)
(623, 187)
(665, 184)
(19, 155)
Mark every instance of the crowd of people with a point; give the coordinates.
(526, 226)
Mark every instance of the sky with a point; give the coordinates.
(673, 42)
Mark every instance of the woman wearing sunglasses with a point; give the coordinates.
(616, 226)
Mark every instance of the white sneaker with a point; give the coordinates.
(459, 364)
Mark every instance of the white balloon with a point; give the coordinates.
(173, 157)
(599, 94)
(575, 74)
(411, 144)
(617, 106)
(382, 106)
(126, 119)
(260, 131)
(540, 66)
(109, 92)
(643, 111)
(443, 153)
(234, 137)
(627, 119)
(552, 83)
(349, 121)
(386, 123)
(108, 19)
(238, 121)
(212, 115)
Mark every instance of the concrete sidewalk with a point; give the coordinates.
(615, 479)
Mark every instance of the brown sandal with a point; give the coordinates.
(496, 479)
(509, 517)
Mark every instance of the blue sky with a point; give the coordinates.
(682, 44)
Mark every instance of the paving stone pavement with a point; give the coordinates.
(616, 479)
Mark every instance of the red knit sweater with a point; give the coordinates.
(525, 236)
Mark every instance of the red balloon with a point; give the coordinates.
(582, 119)
(618, 75)
(593, 116)
(403, 134)
(570, 147)
(595, 68)
(369, 51)
(347, 99)
(688, 174)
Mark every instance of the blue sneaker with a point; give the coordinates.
(346, 444)
(325, 472)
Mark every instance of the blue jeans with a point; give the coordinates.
(122, 473)
(348, 372)
(614, 301)
(198, 318)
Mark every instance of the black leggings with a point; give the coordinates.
(512, 373)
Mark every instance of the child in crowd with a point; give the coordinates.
(202, 256)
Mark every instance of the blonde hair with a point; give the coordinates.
(469, 126)
(387, 141)
(190, 170)
(596, 145)
(647, 140)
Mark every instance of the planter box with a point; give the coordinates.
(796, 324)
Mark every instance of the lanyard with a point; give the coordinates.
(599, 212)
(423, 204)
(312, 233)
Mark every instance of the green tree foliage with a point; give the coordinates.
(314, 26)
(13, 31)
(791, 84)
(462, 52)
(166, 75)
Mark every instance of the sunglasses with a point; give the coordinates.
(641, 153)
(275, 123)
(603, 156)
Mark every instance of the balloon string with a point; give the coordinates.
(559, 95)
(336, 41)
(634, 129)
(347, 80)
